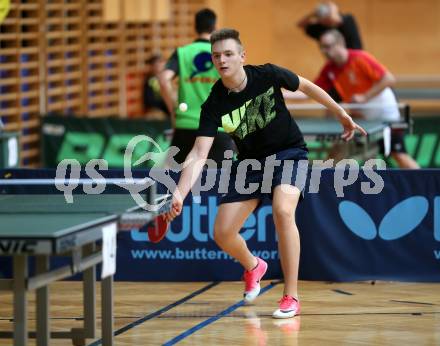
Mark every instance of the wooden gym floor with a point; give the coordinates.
(386, 313)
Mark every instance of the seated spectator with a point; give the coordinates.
(152, 98)
(326, 16)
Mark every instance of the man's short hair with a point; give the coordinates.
(205, 21)
(224, 34)
(339, 38)
(154, 58)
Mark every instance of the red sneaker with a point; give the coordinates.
(289, 307)
(252, 280)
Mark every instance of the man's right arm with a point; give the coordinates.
(192, 167)
(167, 92)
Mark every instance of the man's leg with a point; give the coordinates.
(338, 152)
(399, 153)
(229, 220)
(285, 200)
(404, 160)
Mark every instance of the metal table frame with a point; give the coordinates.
(81, 248)
(360, 148)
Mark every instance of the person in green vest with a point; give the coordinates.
(196, 74)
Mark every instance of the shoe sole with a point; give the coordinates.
(249, 301)
(280, 317)
(286, 315)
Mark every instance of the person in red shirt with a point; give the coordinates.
(355, 76)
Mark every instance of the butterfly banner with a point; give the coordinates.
(350, 230)
(392, 235)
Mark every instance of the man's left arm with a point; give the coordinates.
(376, 72)
(169, 95)
(319, 95)
(386, 81)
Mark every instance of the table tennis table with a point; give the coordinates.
(329, 130)
(322, 131)
(44, 225)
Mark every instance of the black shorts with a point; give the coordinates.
(259, 180)
(397, 142)
(184, 140)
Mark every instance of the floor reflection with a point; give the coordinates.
(260, 330)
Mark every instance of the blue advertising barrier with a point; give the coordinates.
(393, 235)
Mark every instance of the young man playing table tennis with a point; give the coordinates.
(247, 102)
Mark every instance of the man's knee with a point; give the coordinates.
(221, 232)
(283, 213)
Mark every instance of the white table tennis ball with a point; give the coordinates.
(183, 107)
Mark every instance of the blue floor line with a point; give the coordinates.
(158, 312)
(212, 319)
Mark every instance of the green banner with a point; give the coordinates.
(423, 144)
(85, 139)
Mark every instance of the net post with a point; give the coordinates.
(408, 119)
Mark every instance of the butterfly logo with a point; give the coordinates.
(399, 221)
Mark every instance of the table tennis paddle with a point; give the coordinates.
(159, 227)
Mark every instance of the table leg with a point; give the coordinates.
(89, 294)
(42, 296)
(20, 300)
(107, 310)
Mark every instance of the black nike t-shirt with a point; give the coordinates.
(256, 117)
